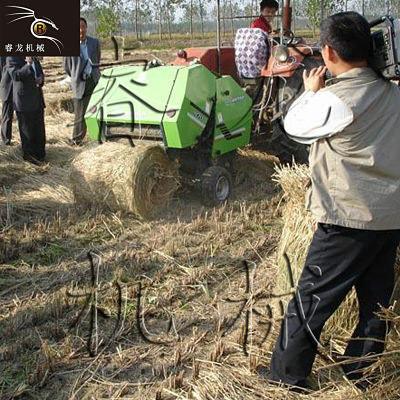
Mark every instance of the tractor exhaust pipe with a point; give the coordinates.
(287, 16)
(219, 36)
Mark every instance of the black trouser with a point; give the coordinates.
(80, 107)
(32, 132)
(7, 112)
(338, 259)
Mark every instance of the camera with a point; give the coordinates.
(386, 47)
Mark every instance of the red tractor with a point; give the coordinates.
(277, 83)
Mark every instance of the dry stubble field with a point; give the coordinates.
(181, 299)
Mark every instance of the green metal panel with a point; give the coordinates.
(128, 93)
(233, 117)
(178, 99)
(192, 95)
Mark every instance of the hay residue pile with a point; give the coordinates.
(297, 232)
(298, 223)
(117, 177)
(38, 194)
(13, 167)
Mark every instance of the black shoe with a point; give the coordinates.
(302, 387)
(33, 160)
(361, 382)
(263, 372)
(74, 142)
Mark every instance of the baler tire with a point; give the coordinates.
(216, 186)
(286, 149)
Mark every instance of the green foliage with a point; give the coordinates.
(312, 9)
(108, 22)
(50, 254)
(316, 10)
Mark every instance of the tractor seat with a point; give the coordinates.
(251, 52)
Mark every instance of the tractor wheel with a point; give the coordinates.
(287, 149)
(216, 185)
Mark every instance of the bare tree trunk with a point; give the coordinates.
(169, 24)
(231, 13)
(223, 15)
(160, 21)
(293, 27)
(201, 17)
(363, 7)
(137, 5)
(191, 19)
(345, 5)
(396, 8)
(322, 10)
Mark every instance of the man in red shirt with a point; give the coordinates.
(268, 10)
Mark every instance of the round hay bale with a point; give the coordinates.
(117, 177)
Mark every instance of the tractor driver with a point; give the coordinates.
(252, 44)
(268, 10)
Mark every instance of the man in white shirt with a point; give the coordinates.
(353, 125)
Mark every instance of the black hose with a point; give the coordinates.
(378, 21)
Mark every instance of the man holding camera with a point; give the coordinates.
(353, 125)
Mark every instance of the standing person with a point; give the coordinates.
(268, 10)
(6, 96)
(353, 126)
(28, 80)
(85, 73)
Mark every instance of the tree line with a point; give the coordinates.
(141, 17)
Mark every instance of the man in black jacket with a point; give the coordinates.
(7, 112)
(28, 79)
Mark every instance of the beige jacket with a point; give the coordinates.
(355, 173)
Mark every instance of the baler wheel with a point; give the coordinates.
(287, 150)
(216, 185)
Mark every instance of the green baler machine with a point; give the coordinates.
(198, 117)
